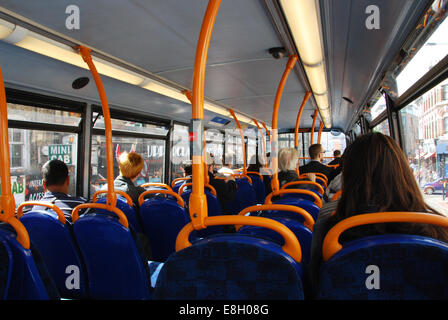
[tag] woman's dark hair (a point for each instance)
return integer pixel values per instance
(376, 177)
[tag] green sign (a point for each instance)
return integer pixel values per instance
(61, 152)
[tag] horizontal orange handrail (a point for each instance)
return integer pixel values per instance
(291, 246)
(180, 201)
(255, 173)
(337, 195)
(318, 175)
(50, 205)
(334, 166)
(317, 200)
(181, 189)
(242, 175)
(121, 216)
(311, 183)
(309, 221)
(175, 181)
(331, 243)
(156, 184)
(121, 193)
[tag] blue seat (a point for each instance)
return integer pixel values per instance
(307, 205)
(5, 269)
(28, 277)
(162, 219)
(58, 248)
(410, 267)
(258, 185)
(226, 267)
(116, 264)
(130, 212)
(245, 197)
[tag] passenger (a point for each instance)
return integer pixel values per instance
(226, 169)
(337, 158)
(130, 164)
(316, 153)
(287, 164)
(188, 169)
(56, 182)
(376, 177)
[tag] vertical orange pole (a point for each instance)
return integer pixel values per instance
(111, 196)
(198, 200)
(296, 131)
(7, 202)
(242, 140)
(263, 143)
(274, 146)
(267, 131)
(312, 128)
(321, 127)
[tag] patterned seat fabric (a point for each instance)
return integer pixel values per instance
(230, 267)
(404, 267)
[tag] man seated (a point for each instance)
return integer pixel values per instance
(56, 182)
(316, 153)
(337, 158)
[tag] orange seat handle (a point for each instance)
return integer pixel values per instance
(311, 183)
(121, 193)
(180, 201)
(317, 200)
(156, 184)
(255, 173)
(242, 175)
(175, 181)
(50, 205)
(121, 216)
(291, 246)
(182, 188)
(337, 195)
(331, 243)
(309, 221)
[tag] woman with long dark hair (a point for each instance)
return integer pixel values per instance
(376, 177)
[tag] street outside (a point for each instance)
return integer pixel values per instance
(436, 201)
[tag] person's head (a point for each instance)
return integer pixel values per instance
(316, 152)
(130, 164)
(337, 153)
(55, 177)
(287, 159)
(377, 175)
(210, 162)
(188, 168)
(254, 165)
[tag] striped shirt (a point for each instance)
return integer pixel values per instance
(63, 201)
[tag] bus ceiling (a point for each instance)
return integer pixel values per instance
(152, 45)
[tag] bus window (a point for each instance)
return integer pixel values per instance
(180, 150)
(424, 124)
(383, 128)
(215, 145)
(30, 149)
(378, 108)
(329, 141)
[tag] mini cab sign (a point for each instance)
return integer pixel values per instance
(61, 152)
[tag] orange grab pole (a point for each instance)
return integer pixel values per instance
(111, 196)
(274, 154)
(121, 193)
(7, 202)
(321, 127)
(312, 128)
(198, 200)
(50, 205)
(121, 216)
(296, 130)
(295, 183)
(331, 243)
(242, 140)
(291, 246)
(267, 131)
(156, 184)
(180, 201)
(317, 200)
(206, 185)
(309, 220)
(263, 143)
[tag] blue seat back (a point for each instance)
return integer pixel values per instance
(303, 234)
(302, 196)
(162, 220)
(130, 212)
(409, 267)
(5, 269)
(116, 266)
(227, 267)
(307, 205)
(245, 197)
(29, 278)
(58, 249)
(258, 185)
